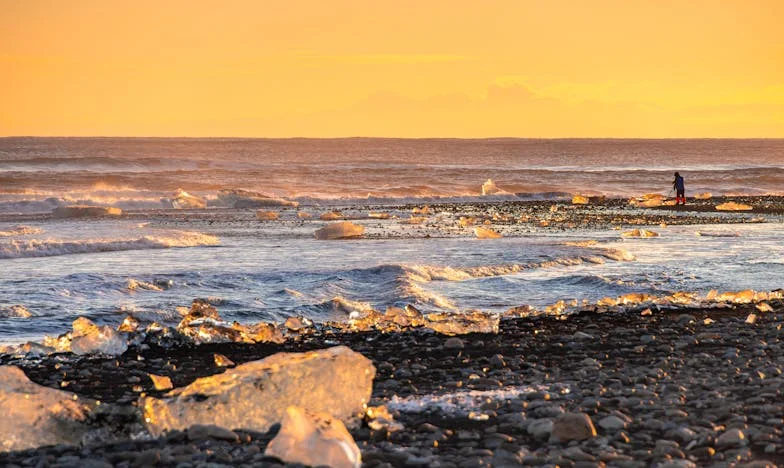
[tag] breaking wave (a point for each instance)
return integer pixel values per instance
(397, 284)
(52, 247)
(426, 273)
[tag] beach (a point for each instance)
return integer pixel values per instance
(667, 379)
(573, 324)
(662, 388)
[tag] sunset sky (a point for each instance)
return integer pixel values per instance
(461, 68)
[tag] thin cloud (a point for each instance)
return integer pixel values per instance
(385, 59)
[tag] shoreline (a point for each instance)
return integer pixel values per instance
(761, 204)
(676, 382)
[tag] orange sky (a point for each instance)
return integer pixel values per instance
(460, 68)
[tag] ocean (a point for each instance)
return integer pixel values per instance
(157, 257)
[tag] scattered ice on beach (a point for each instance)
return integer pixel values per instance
(473, 321)
(344, 230)
(89, 338)
(202, 324)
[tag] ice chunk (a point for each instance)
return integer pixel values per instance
(489, 188)
(732, 206)
(640, 233)
(485, 233)
(741, 297)
(134, 285)
(463, 323)
(185, 201)
(33, 415)
(161, 382)
(344, 230)
(85, 211)
(262, 215)
(202, 324)
(255, 395)
(89, 338)
(331, 216)
(237, 198)
(579, 200)
(16, 310)
(128, 325)
(314, 439)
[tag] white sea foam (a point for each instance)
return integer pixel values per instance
(51, 247)
(349, 306)
(21, 231)
(427, 273)
(424, 296)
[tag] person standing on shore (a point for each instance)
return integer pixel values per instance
(680, 189)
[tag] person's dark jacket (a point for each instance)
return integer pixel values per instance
(678, 184)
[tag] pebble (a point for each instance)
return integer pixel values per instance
(679, 401)
(454, 343)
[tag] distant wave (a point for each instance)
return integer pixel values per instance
(50, 247)
(21, 231)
